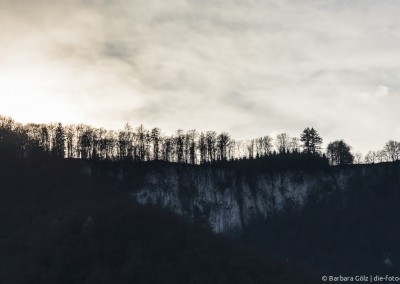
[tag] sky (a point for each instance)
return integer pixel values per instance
(248, 67)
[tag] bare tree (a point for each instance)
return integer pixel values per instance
(382, 156)
(125, 143)
(282, 142)
(211, 141)
(167, 151)
(358, 158)
(251, 147)
(33, 132)
(294, 145)
(371, 157)
(179, 140)
(202, 146)
(231, 153)
(186, 147)
(192, 135)
(86, 141)
(111, 143)
(45, 141)
(143, 139)
(392, 150)
(223, 141)
(263, 146)
(70, 131)
(58, 148)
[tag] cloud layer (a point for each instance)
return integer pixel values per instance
(247, 67)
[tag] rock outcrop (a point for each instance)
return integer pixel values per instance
(228, 200)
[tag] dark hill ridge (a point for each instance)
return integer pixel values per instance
(68, 221)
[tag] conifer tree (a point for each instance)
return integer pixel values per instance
(311, 141)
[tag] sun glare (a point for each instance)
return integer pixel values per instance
(32, 94)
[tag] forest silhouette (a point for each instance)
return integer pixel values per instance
(187, 147)
(141, 145)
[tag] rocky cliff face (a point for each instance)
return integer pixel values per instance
(227, 200)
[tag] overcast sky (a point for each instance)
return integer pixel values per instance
(249, 67)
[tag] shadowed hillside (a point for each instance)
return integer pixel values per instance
(353, 231)
(61, 225)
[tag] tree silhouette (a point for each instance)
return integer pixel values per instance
(86, 141)
(143, 139)
(294, 145)
(392, 150)
(179, 145)
(371, 157)
(69, 137)
(45, 138)
(192, 136)
(223, 141)
(338, 153)
(59, 141)
(311, 141)
(167, 149)
(282, 142)
(264, 145)
(382, 156)
(155, 137)
(202, 146)
(358, 158)
(211, 141)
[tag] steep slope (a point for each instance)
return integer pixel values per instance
(229, 200)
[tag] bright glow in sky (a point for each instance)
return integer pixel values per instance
(248, 67)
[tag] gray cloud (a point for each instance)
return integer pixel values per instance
(248, 67)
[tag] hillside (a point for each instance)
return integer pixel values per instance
(62, 224)
(88, 220)
(338, 220)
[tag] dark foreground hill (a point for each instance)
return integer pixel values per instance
(59, 225)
